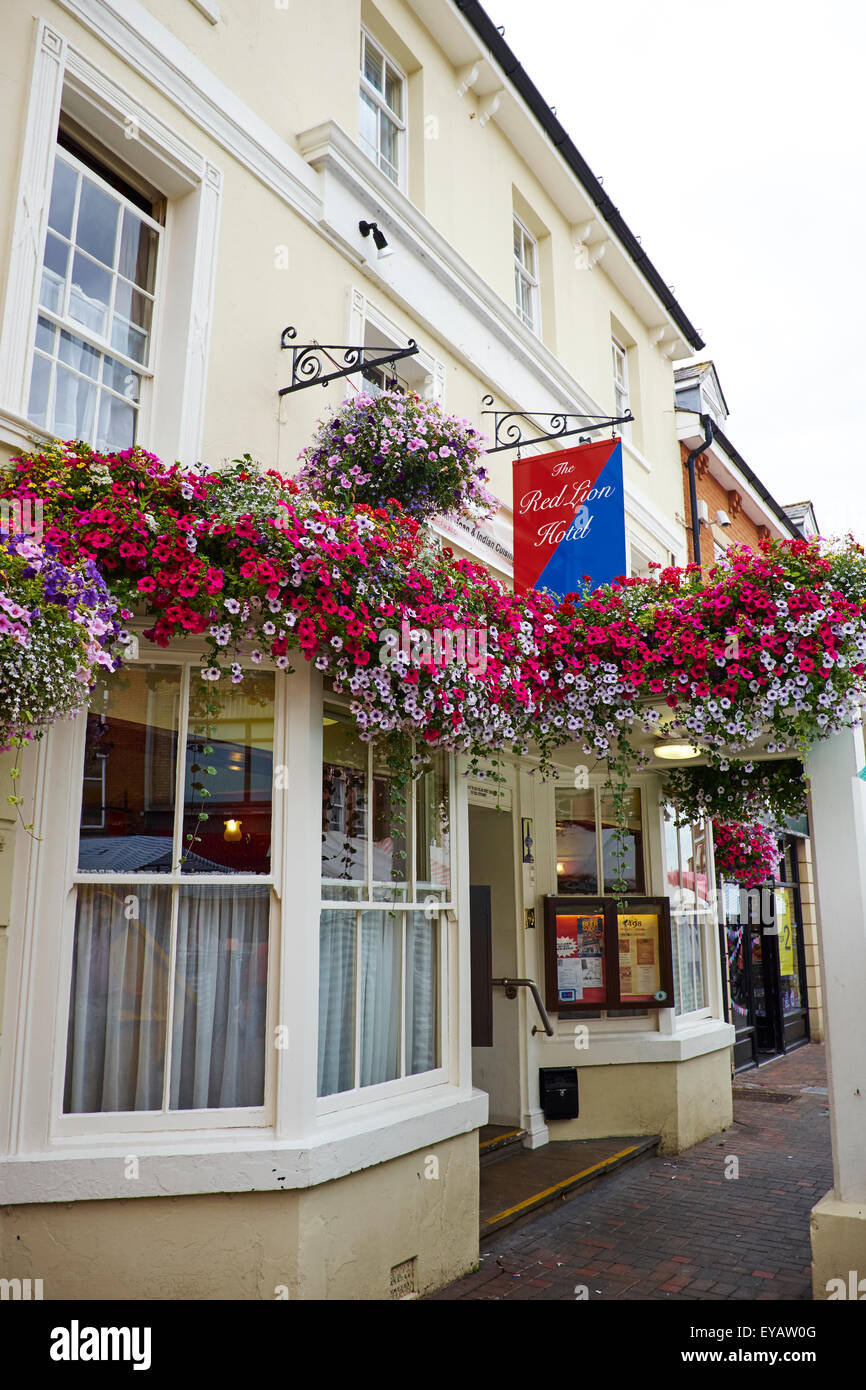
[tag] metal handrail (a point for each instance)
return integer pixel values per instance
(511, 984)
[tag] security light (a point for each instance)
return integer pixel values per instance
(379, 238)
(722, 518)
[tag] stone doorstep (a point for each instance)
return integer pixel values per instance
(528, 1182)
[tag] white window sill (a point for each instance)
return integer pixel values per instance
(626, 1049)
(633, 453)
(171, 1166)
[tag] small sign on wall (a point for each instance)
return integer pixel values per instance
(489, 794)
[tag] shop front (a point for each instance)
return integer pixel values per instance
(766, 962)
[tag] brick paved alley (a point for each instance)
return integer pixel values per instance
(673, 1227)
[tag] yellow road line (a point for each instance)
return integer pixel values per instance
(497, 1138)
(548, 1191)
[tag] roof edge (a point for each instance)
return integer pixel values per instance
(487, 31)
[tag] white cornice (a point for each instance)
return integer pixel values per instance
(131, 31)
(332, 152)
(462, 46)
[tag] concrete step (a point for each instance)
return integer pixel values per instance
(529, 1181)
(496, 1141)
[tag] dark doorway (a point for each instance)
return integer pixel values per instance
(481, 961)
(766, 966)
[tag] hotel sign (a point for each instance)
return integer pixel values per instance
(569, 518)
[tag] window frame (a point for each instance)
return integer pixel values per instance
(63, 82)
(704, 921)
(597, 789)
(405, 1083)
(68, 1125)
(523, 273)
(63, 323)
(378, 98)
(621, 384)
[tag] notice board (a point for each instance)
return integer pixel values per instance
(603, 955)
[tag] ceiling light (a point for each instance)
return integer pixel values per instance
(379, 238)
(676, 749)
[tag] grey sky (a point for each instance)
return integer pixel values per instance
(731, 136)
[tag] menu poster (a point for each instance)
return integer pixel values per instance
(580, 958)
(639, 958)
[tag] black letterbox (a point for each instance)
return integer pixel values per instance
(558, 1087)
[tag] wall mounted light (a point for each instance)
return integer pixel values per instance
(677, 750)
(232, 831)
(722, 518)
(379, 238)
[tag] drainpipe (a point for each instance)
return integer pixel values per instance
(707, 424)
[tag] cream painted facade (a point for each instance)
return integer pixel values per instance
(248, 125)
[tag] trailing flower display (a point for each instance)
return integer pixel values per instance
(392, 447)
(59, 629)
(767, 650)
(748, 854)
(741, 792)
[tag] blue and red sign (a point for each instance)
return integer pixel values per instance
(569, 519)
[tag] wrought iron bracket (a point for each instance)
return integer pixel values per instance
(508, 429)
(310, 360)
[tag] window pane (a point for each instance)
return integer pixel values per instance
(394, 91)
(54, 266)
(389, 144)
(433, 827)
(390, 825)
(381, 968)
(132, 732)
(369, 126)
(45, 335)
(117, 422)
(115, 1057)
(344, 800)
(372, 66)
(120, 378)
(422, 995)
(229, 776)
(631, 865)
(79, 355)
(40, 384)
(138, 245)
(518, 241)
(96, 230)
(576, 864)
(90, 294)
(74, 406)
(130, 327)
(62, 206)
(689, 964)
(220, 998)
(336, 1002)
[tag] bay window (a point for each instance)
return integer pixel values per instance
(691, 910)
(93, 351)
(168, 999)
(386, 886)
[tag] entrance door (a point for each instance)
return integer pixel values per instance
(766, 972)
(493, 924)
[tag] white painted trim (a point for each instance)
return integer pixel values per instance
(628, 1049)
(172, 412)
(34, 183)
(131, 31)
(209, 9)
(353, 188)
(241, 1161)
